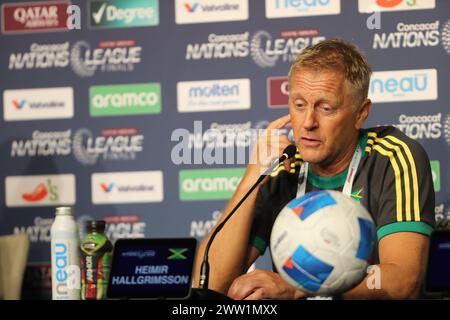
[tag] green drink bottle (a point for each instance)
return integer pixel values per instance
(96, 253)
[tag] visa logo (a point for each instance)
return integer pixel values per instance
(404, 85)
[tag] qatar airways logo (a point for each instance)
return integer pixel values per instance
(36, 16)
(41, 190)
(278, 92)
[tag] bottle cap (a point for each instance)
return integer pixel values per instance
(64, 211)
(96, 225)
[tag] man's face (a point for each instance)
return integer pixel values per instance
(322, 115)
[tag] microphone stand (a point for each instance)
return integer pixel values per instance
(204, 269)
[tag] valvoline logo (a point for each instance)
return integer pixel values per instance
(18, 104)
(191, 7)
(41, 191)
(107, 187)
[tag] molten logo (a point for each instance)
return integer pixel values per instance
(107, 188)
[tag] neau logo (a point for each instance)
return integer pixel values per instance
(405, 85)
(296, 8)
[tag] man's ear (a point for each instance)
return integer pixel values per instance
(363, 113)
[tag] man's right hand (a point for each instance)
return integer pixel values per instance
(270, 144)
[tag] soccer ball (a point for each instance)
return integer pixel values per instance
(321, 242)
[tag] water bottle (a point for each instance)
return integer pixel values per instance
(96, 254)
(65, 256)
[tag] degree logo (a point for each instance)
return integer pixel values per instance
(18, 104)
(107, 188)
(191, 8)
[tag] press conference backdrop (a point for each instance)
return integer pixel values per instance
(107, 103)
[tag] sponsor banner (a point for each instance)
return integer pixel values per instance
(123, 226)
(295, 8)
(41, 190)
(200, 228)
(108, 56)
(278, 92)
(116, 144)
(265, 49)
(123, 13)
(127, 187)
(209, 184)
(425, 126)
(403, 85)
(126, 99)
(38, 104)
(367, 6)
(38, 232)
(213, 95)
(41, 56)
(38, 16)
(436, 174)
(203, 11)
(413, 35)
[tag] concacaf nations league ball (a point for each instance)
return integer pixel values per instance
(321, 242)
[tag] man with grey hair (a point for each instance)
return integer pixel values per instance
(383, 169)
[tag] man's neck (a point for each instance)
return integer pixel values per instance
(330, 170)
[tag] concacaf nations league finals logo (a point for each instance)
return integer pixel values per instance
(445, 36)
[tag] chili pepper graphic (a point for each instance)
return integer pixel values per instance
(39, 193)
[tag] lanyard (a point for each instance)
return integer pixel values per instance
(303, 174)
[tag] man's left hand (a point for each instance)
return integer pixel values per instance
(263, 284)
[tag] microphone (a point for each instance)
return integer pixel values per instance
(288, 152)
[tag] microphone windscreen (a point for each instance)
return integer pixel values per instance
(290, 150)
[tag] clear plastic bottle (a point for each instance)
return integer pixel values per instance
(65, 255)
(96, 254)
